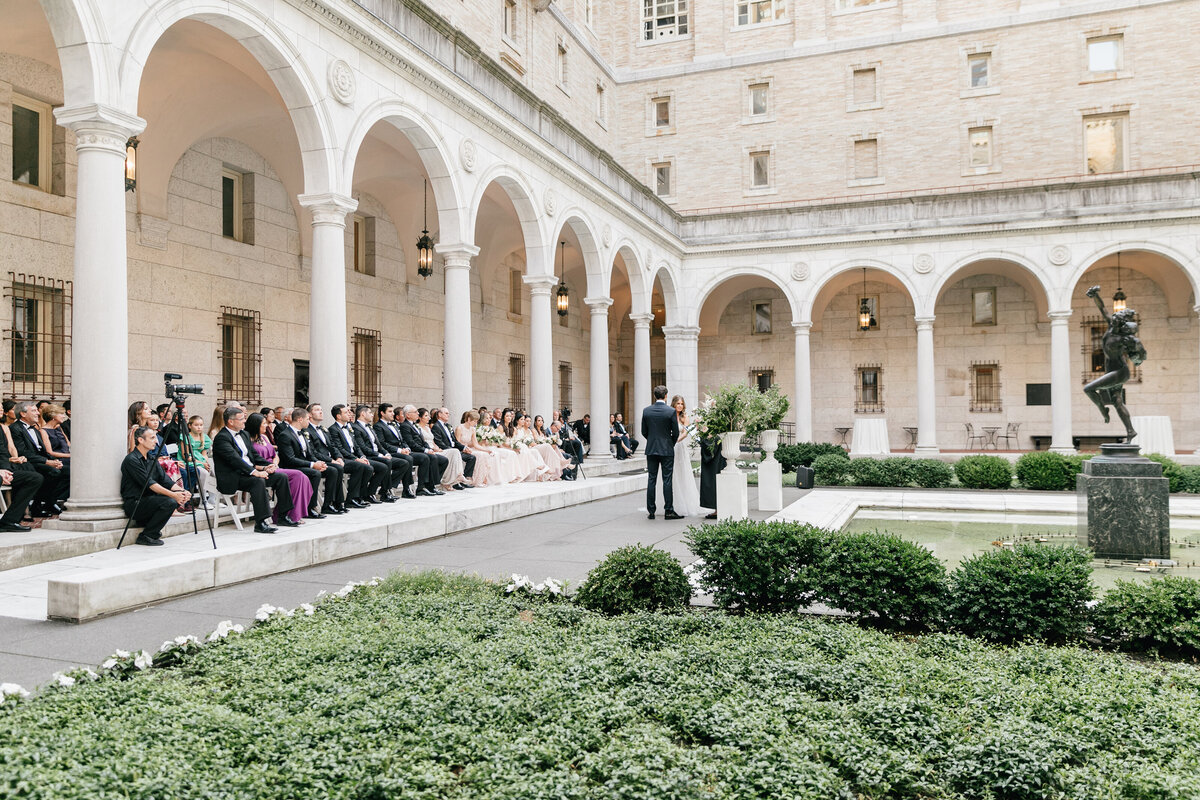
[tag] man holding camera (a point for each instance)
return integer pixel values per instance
(147, 493)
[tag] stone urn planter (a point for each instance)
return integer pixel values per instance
(769, 441)
(731, 449)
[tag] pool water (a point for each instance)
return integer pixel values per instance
(951, 541)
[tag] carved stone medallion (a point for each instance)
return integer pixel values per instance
(923, 263)
(800, 271)
(467, 154)
(551, 202)
(341, 82)
(1060, 254)
(607, 235)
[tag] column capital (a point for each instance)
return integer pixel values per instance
(681, 333)
(98, 126)
(924, 323)
(328, 208)
(802, 328)
(598, 305)
(1060, 317)
(456, 255)
(643, 320)
(539, 284)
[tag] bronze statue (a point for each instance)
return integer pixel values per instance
(1120, 340)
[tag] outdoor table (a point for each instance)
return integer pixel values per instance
(870, 437)
(841, 432)
(990, 432)
(912, 437)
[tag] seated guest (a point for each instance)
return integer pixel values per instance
(626, 437)
(10, 416)
(165, 459)
(240, 468)
(398, 468)
(482, 414)
(295, 454)
(568, 440)
(413, 440)
(617, 440)
(547, 445)
(443, 437)
(298, 483)
(56, 486)
(387, 433)
(139, 416)
(319, 444)
(194, 453)
(53, 439)
(218, 420)
(149, 503)
(341, 438)
(66, 426)
(269, 429)
(497, 420)
(485, 472)
(583, 429)
(25, 481)
(452, 476)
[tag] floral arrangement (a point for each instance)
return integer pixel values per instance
(740, 407)
(517, 443)
(774, 406)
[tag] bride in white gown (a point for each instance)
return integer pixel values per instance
(685, 489)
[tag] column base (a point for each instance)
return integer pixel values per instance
(926, 450)
(90, 515)
(1066, 451)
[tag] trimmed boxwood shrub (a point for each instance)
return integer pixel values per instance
(1044, 469)
(1162, 614)
(791, 456)
(635, 578)
(984, 472)
(871, 472)
(1171, 471)
(758, 566)
(1026, 592)
(1190, 479)
(882, 579)
(929, 473)
(831, 470)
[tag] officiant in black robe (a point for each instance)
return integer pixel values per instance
(711, 462)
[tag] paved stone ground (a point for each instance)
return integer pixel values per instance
(564, 544)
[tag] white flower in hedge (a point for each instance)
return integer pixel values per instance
(12, 690)
(89, 674)
(143, 660)
(555, 587)
(321, 594)
(264, 612)
(307, 608)
(224, 629)
(63, 680)
(109, 663)
(375, 581)
(347, 589)
(518, 582)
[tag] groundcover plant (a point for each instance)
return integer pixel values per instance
(435, 687)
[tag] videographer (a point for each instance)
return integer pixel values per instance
(148, 503)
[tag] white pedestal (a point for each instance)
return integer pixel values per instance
(732, 496)
(770, 485)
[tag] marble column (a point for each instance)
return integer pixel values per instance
(100, 315)
(457, 391)
(1061, 440)
(683, 362)
(598, 371)
(328, 348)
(641, 370)
(926, 390)
(802, 400)
(541, 351)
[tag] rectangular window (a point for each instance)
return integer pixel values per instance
(32, 131)
(358, 231)
(516, 288)
(983, 306)
(866, 87)
(367, 366)
(979, 70)
(588, 10)
(1104, 142)
(516, 381)
(868, 382)
(866, 159)
(240, 355)
(762, 378)
(760, 170)
(509, 20)
(662, 179)
(1105, 53)
(756, 12)
(985, 388)
(231, 204)
(662, 112)
(762, 318)
(40, 337)
(979, 142)
(664, 19)
(562, 65)
(564, 385)
(852, 5)
(601, 105)
(758, 99)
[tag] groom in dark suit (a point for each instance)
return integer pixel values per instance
(660, 429)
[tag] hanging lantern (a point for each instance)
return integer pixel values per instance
(131, 147)
(1119, 297)
(425, 243)
(864, 308)
(564, 294)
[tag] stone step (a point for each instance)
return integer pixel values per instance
(101, 583)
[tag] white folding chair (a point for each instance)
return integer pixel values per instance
(237, 503)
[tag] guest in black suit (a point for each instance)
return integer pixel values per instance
(568, 440)
(148, 503)
(373, 449)
(619, 427)
(583, 429)
(660, 429)
(387, 432)
(443, 437)
(241, 469)
(56, 480)
(319, 445)
(341, 437)
(24, 480)
(66, 426)
(416, 443)
(294, 453)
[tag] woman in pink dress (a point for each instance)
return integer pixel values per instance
(298, 482)
(532, 462)
(485, 466)
(550, 454)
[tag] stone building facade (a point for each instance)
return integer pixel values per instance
(718, 194)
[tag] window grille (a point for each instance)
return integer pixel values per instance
(240, 355)
(985, 387)
(40, 337)
(868, 387)
(1094, 328)
(664, 19)
(564, 384)
(516, 381)
(368, 355)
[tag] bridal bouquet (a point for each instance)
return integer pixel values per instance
(517, 444)
(487, 435)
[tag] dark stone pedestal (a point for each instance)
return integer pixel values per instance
(1123, 510)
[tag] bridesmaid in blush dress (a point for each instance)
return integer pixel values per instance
(297, 481)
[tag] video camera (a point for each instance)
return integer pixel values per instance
(175, 390)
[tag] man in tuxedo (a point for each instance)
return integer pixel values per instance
(149, 503)
(294, 453)
(25, 481)
(660, 429)
(387, 430)
(321, 448)
(241, 469)
(443, 437)
(619, 426)
(497, 420)
(56, 477)
(373, 449)
(568, 440)
(416, 443)
(583, 429)
(341, 438)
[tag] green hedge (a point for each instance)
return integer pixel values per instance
(1035, 592)
(449, 691)
(758, 566)
(882, 579)
(832, 470)
(984, 472)
(929, 473)
(635, 578)
(1043, 469)
(1163, 614)
(791, 456)
(1176, 478)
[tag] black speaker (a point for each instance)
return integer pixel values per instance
(804, 477)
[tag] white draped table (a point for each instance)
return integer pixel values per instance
(870, 437)
(1154, 435)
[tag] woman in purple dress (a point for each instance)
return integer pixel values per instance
(297, 481)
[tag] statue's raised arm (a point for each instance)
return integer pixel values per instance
(1094, 293)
